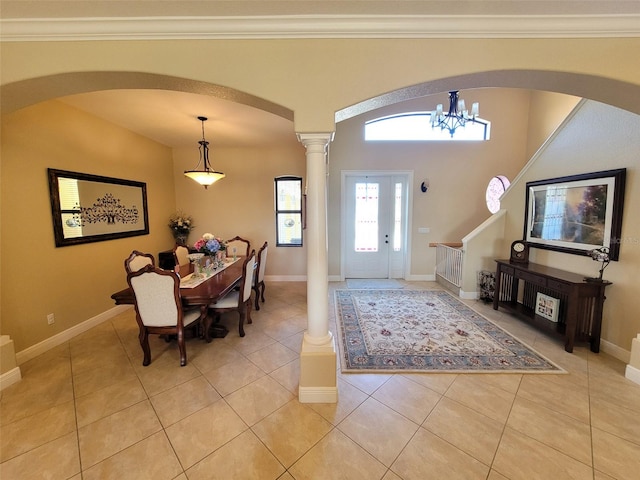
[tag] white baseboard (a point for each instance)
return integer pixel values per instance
(421, 278)
(318, 394)
(469, 295)
(58, 339)
(633, 374)
(615, 351)
(9, 378)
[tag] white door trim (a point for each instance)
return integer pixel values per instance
(408, 174)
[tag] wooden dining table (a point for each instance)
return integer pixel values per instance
(202, 295)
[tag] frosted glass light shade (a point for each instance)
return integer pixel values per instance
(203, 177)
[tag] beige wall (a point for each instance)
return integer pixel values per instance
(314, 79)
(457, 172)
(597, 137)
(317, 77)
(547, 110)
(242, 203)
(546, 113)
(74, 283)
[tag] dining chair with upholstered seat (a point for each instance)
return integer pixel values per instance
(137, 260)
(159, 308)
(258, 279)
(181, 255)
(239, 300)
(239, 244)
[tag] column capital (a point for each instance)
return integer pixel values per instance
(310, 139)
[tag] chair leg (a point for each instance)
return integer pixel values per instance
(181, 347)
(242, 312)
(262, 294)
(144, 343)
(256, 288)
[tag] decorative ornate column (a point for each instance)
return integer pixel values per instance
(318, 355)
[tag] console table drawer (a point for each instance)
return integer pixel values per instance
(531, 278)
(558, 286)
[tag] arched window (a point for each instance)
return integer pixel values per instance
(416, 126)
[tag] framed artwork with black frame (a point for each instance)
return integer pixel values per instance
(576, 213)
(90, 208)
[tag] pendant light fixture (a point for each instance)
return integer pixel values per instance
(206, 176)
(457, 116)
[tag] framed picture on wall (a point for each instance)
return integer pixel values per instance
(577, 213)
(91, 208)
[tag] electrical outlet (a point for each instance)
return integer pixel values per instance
(51, 319)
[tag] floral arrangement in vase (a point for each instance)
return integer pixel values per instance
(209, 244)
(181, 225)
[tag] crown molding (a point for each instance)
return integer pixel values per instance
(319, 26)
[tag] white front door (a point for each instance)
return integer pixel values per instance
(374, 224)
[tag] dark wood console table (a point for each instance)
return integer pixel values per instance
(581, 301)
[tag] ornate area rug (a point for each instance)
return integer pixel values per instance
(426, 331)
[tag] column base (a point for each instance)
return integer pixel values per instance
(633, 369)
(318, 383)
(633, 374)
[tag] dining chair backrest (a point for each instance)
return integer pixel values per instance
(136, 260)
(262, 262)
(258, 279)
(181, 255)
(239, 300)
(157, 296)
(239, 244)
(247, 277)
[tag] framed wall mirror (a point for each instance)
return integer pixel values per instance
(90, 208)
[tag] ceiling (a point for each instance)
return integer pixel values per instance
(170, 117)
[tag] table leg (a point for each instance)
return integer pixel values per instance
(597, 321)
(571, 321)
(206, 322)
(496, 290)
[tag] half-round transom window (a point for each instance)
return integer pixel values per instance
(416, 126)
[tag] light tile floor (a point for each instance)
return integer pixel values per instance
(88, 409)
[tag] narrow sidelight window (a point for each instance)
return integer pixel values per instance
(288, 203)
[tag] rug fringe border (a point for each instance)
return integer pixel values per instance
(456, 372)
